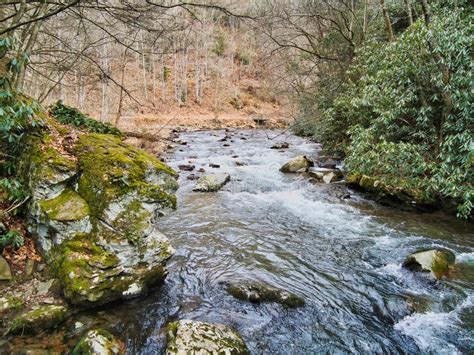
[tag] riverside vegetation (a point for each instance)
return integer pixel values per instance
(403, 113)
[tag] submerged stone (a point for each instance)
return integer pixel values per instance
(99, 342)
(211, 182)
(257, 292)
(298, 164)
(433, 260)
(194, 337)
(39, 319)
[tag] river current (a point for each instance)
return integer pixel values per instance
(343, 256)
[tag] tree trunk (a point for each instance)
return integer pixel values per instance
(388, 23)
(409, 11)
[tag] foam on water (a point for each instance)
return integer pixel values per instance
(437, 332)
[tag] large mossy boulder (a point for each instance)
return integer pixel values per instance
(193, 337)
(39, 319)
(98, 342)
(434, 260)
(96, 223)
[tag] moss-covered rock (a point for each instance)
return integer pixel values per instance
(99, 342)
(39, 319)
(193, 337)
(111, 171)
(434, 260)
(58, 219)
(393, 192)
(69, 206)
(49, 171)
(94, 215)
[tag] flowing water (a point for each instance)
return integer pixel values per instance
(342, 256)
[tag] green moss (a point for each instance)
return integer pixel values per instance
(39, 319)
(69, 206)
(111, 169)
(84, 269)
(41, 162)
(353, 179)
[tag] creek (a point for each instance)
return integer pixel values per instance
(342, 256)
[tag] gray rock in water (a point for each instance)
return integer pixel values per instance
(5, 272)
(432, 260)
(211, 182)
(260, 292)
(283, 145)
(194, 337)
(99, 342)
(300, 164)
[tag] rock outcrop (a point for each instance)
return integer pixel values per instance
(434, 260)
(298, 164)
(211, 182)
(99, 342)
(193, 337)
(93, 213)
(260, 292)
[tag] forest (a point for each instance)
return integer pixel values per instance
(315, 130)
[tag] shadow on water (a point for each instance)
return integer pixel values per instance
(342, 256)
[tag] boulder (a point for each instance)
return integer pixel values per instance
(260, 292)
(211, 182)
(298, 164)
(432, 260)
(283, 145)
(99, 342)
(194, 337)
(330, 177)
(39, 319)
(98, 227)
(5, 272)
(186, 167)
